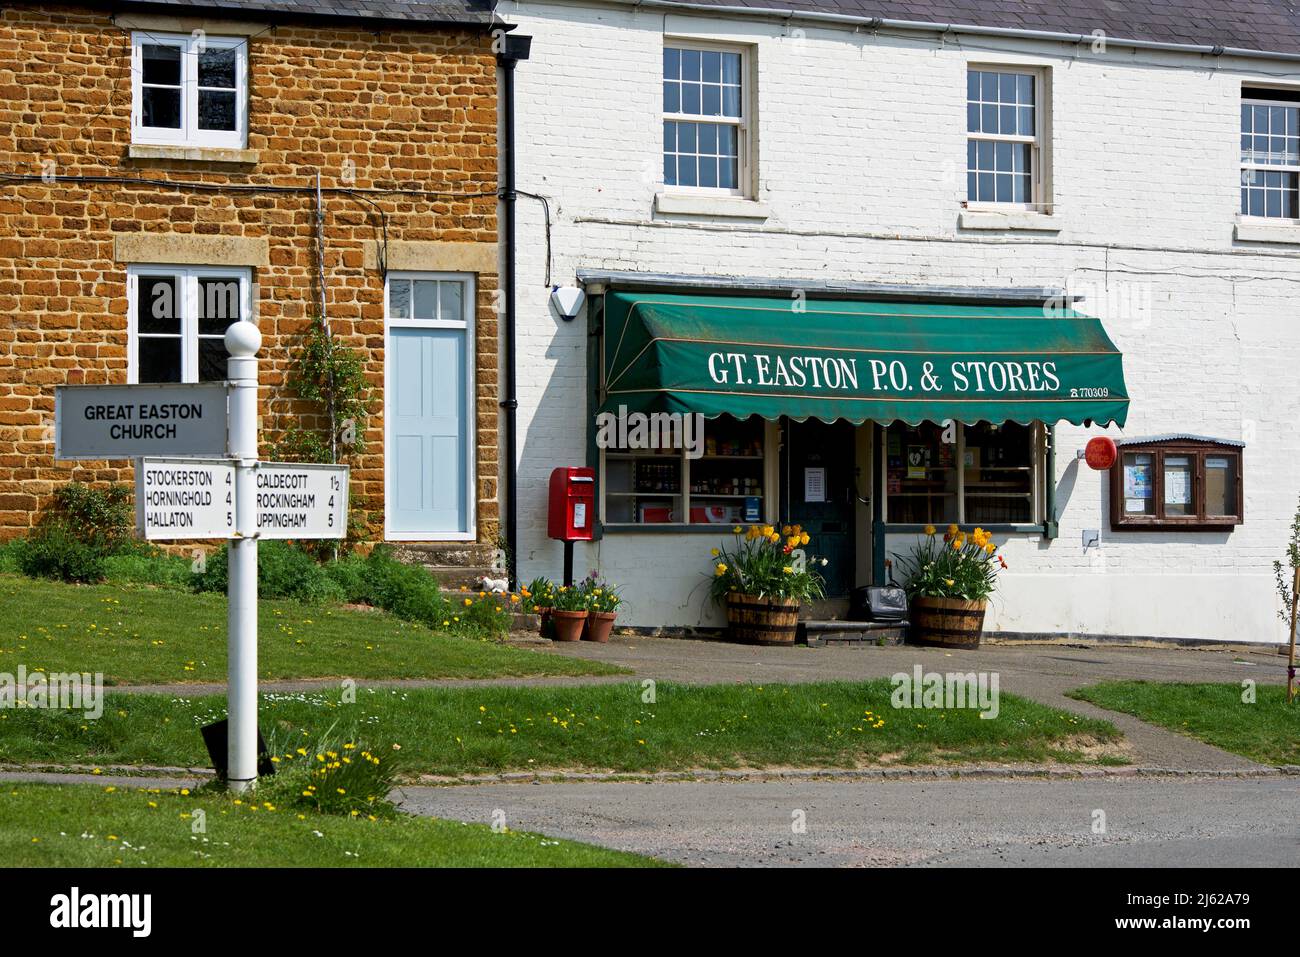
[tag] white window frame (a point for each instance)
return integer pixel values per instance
(1265, 168)
(467, 323)
(189, 277)
(744, 124)
(1039, 154)
(189, 134)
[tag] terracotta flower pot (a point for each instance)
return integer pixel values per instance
(946, 622)
(568, 625)
(599, 625)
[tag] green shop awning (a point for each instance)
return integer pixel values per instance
(880, 361)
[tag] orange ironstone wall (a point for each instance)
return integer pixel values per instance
(367, 109)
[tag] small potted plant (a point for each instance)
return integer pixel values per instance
(602, 609)
(569, 613)
(948, 582)
(539, 595)
(764, 579)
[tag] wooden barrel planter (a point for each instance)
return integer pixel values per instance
(762, 621)
(946, 622)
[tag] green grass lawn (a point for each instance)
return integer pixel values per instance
(143, 635)
(470, 730)
(44, 825)
(1267, 731)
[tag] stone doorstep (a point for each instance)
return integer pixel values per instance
(451, 577)
(449, 554)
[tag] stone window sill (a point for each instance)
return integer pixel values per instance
(730, 206)
(1267, 231)
(1020, 220)
(200, 154)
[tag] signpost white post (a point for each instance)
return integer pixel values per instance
(207, 496)
(242, 342)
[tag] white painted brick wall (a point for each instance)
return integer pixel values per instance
(861, 151)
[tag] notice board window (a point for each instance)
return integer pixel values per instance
(1186, 482)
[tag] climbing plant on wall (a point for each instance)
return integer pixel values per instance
(332, 404)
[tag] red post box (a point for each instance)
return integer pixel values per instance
(572, 510)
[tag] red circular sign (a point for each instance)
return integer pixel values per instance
(1100, 453)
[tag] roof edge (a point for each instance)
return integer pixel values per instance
(486, 22)
(921, 26)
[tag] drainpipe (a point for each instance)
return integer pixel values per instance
(1050, 527)
(514, 48)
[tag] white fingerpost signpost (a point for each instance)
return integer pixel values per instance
(198, 477)
(242, 342)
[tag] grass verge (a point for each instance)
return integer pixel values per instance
(142, 635)
(45, 825)
(1267, 730)
(608, 727)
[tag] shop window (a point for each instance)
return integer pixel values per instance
(663, 485)
(178, 318)
(980, 474)
(1189, 483)
(189, 90)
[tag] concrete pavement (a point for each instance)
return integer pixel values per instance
(1170, 822)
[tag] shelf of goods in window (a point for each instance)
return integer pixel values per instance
(658, 477)
(732, 448)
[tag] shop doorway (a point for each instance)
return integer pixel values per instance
(819, 468)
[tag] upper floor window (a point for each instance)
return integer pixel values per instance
(1003, 137)
(706, 121)
(1270, 153)
(189, 90)
(177, 320)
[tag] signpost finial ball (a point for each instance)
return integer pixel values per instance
(243, 339)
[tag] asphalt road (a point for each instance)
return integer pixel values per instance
(1152, 822)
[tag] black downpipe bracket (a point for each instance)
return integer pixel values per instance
(514, 48)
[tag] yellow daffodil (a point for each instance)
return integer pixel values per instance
(929, 530)
(990, 548)
(714, 552)
(804, 539)
(787, 570)
(721, 568)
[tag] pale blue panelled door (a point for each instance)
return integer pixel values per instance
(428, 459)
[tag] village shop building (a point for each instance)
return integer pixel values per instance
(172, 167)
(906, 272)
